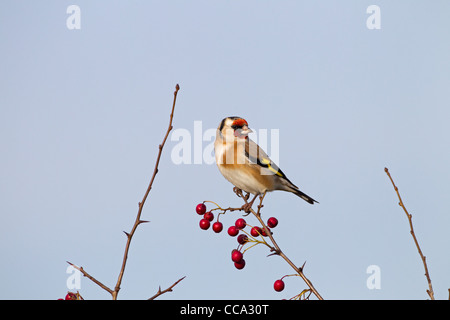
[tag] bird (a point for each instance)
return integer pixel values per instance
(246, 165)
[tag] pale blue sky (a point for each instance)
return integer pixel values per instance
(83, 112)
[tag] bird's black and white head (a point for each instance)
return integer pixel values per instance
(232, 128)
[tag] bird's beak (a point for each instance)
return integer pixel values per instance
(242, 132)
(246, 130)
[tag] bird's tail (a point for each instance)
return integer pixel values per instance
(304, 196)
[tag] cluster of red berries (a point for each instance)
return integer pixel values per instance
(236, 255)
(207, 218)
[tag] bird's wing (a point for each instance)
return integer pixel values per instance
(257, 155)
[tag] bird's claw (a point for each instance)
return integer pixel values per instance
(238, 192)
(247, 207)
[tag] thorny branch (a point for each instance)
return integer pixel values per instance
(137, 222)
(141, 204)
(276, 249)
(169, 289)
(87, 275)
(409, 216)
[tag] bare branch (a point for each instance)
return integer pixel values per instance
(138, 220)
(87, 275)
(169, 289)
(409, 216)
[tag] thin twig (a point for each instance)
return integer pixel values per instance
(138, 220)
(276, 249)
(409, 216)
(281, 254)
(87, 275)
(169, 289)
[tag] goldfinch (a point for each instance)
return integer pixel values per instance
(242, 162)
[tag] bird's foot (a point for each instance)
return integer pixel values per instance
(238, 192)
(248, 205)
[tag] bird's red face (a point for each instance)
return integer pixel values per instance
(241, 129)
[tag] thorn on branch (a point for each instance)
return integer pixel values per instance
(167, 290)
(303, 266)
(273, 254)
(274, 251)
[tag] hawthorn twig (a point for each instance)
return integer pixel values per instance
(281, 254)
(138, 220)
(169, 289)
(87, 275)
(276, 248)
(409, 216)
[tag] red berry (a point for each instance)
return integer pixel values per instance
(71, 296)
(201, 208)
(272, 222)
(236, 255)
(240, 265)
(263, 232)
(278, 285)
(255, 231)
(204, 224)
(242, 238)
(217, 227)
(233, 231)
(240, 223)
(209, 216)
